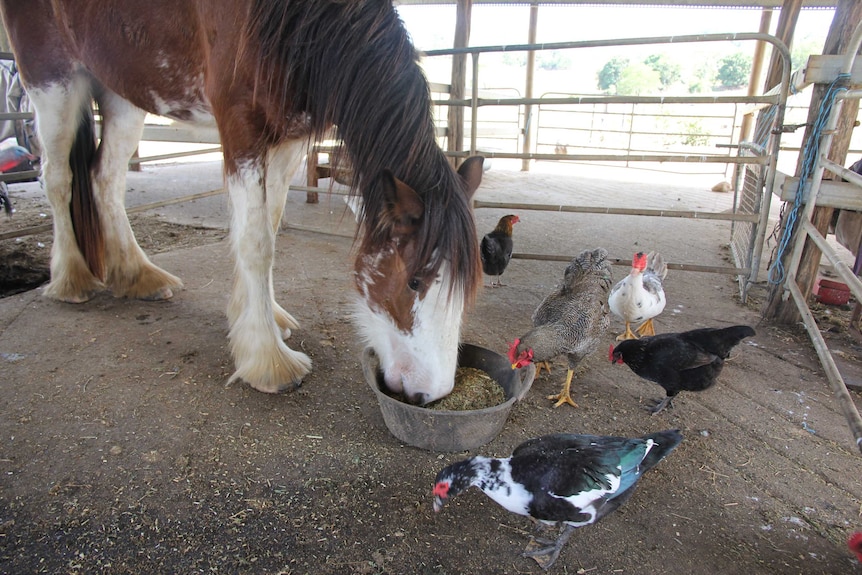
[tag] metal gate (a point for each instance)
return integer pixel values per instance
(757, 166)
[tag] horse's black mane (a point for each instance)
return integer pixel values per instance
(351, 63)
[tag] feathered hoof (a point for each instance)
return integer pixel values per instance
(267, 386)
(150, 283)
(73, 292)
(286, 322)
(160, 294)
(280, 371)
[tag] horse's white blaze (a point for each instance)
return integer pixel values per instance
(420, 361)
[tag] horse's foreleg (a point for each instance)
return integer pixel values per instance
(261, 357)
(58, 108)
(282, 163)
(129, 272)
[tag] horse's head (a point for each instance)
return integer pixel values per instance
(411, 298)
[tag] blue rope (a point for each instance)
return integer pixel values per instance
(811, 153)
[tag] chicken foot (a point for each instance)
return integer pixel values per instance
(646, 328)
(564, 395)
(629, 334)
(546, 551)
(667, 402)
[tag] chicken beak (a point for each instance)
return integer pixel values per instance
(438, 503)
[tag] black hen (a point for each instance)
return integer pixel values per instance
(496, 248)
(688, 361)
(563, 479)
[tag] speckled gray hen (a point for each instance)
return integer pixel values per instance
(571, 320)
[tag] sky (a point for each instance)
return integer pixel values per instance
(432, 26)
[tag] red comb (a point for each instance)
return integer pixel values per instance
(611, 353)
(441, 489)
(512, 349)
(855, 544)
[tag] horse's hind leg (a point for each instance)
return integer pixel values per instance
(262, 359)
(129, 273)
(58, 107)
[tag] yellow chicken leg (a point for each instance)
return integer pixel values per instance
(629, 334)
(646, 328)
(563, 396)
(542, 364)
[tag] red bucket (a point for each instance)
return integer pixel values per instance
(833, 293)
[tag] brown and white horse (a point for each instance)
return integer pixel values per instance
(270, 74)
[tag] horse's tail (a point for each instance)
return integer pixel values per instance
(85, 216)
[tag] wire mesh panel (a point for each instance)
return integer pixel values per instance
(743, 235)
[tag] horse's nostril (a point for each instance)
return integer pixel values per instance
(419, 398)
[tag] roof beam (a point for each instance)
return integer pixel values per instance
(656, 3)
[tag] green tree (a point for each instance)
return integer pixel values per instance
(800, 52)
(638, 79)
(734, 70)
(553, 60)
(704, 77)
(669, 71)
(609, 75)
(517, 59)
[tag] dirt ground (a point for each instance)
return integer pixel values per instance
(122, 451)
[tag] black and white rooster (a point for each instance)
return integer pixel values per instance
(562, 479)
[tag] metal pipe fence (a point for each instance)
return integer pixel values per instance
(648, 129)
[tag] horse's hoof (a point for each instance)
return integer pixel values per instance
(276, 389)
(72, 291)
(292, 386)
(77, 297)
(159, 295)
(83, 298)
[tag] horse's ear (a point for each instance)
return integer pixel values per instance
(404, 209)
(471, 172)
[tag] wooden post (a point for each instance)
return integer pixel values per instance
(457, 89)
(528, 91)
(756, 71)
(848, 14)
(784, 32)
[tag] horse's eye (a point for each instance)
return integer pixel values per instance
(414, 284)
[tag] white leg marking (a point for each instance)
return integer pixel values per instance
(129, 272)
(261, 357)
(282, 163)
(57, 108)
